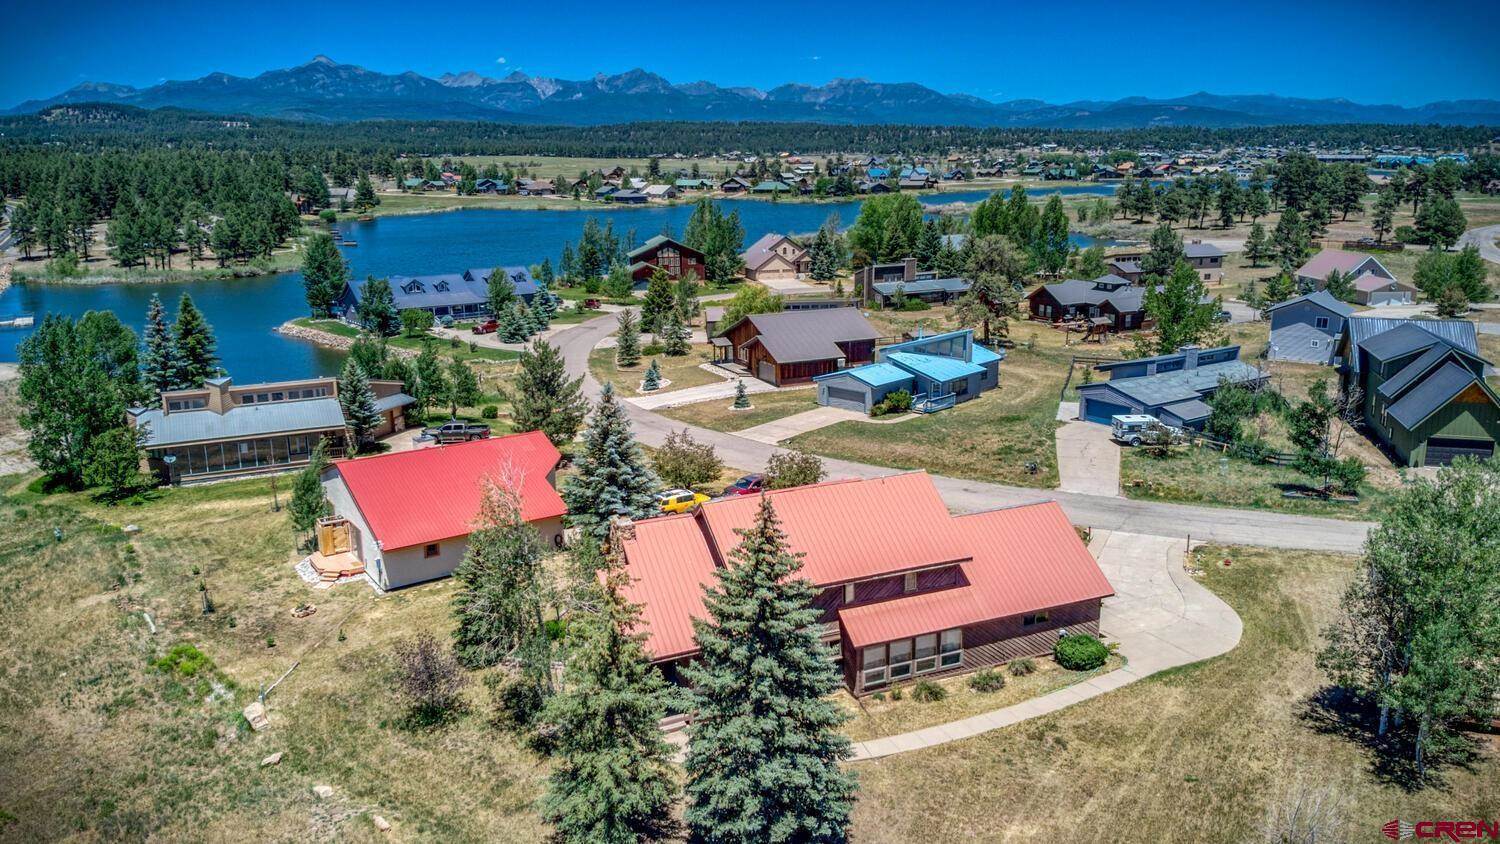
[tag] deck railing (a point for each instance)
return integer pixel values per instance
(923, 403)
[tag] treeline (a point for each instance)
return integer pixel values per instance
(109, 127)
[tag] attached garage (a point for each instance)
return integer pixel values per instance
(1442, 451)
(863, 387)
(849, 399)
(1098, 410)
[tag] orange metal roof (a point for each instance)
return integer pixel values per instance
(670, 566)
(853, 529)
(429, 494)
(1026, 558)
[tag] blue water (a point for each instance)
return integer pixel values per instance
(243, 312)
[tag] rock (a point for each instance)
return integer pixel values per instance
(324, 792)
(273, 759)
(255, 713)
(131, 528)
(380, 823)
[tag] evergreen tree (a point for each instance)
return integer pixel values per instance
(652, 381)
(196, 350)
(543, 398)
(764, 752)
(463, 387)
(159, 364)
(1165, 254)
(659, 301)
(1290, 241)
(376, 309)
(741, 395)
(1440, 223)
(613, 781)
(501, 292)
(308, 502)
(1382, 222)
(432, 380)
(1256, 247)
(323, 275)
(627, 340)
(674, 334)
(501, 588)
(613, 478)
(929, 243)
(365, 197)
(997, 271)
(1050, 247)
(358, 402)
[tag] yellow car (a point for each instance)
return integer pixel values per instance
(679, 500)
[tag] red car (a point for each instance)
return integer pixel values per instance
(487, 327)
(748, 485)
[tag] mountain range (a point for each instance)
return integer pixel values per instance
(325, 90)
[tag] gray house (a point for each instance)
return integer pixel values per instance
(938, 371)
(1307, 329)
(1173, 388)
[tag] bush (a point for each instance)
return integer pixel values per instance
(184, 660)
(515, 703)
(685, 462)
(1080, 652)
(926, 691)
(653, 349)
(328, 215)
(879, 409)
(1407, 234)
(897, 694)
(914, 305)
(64, 265)
(897, 401)
(987, 680)
(793, 468)
(1022, 667)
(428, 679)
(489, 411)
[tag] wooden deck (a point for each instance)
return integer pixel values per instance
(332, 567)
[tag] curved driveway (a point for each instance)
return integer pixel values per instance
(1208, 524)
(1484, 238)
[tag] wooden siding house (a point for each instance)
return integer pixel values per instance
(676, 258)
(792, 347)
(1108, 297)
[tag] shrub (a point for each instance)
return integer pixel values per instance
(685, 462)
(184, 660)
(428, 679)
(328, 215)
(897, 694)
(651, 349)
(1080, 652)
(987, 680)
(926, 691)
(793, 468)
(880, 409)
(914, 305)
(489, 411)
(898, 401)
(1022, 667)
(515, 703)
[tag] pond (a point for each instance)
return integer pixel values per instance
(243, 312)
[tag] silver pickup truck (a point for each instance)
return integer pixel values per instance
(457, 432)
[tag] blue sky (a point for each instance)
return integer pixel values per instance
(1368, 52)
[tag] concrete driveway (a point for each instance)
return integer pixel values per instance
(691, 395)
(1485, 238)
(1088, 461)
(787, 427)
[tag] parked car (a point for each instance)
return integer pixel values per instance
(679, 500)
(1130, 428)
(591, 304)
(457, 432)
(489, 326)
(748, 485)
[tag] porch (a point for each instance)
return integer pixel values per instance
(335, 559)
(927, 403)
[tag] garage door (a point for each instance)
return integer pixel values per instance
(1100, 411)
(766, 371)
(847, 399)
(1441, 451)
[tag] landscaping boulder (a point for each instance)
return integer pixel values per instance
(380, 823)
(273, 759)
(255, 713)
(323, 792)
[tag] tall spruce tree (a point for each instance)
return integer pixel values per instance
(197, 354)
(159, 364)
(627, 340)
(501, 588)
(613, 477)
(764, 753)
(543, 398)
(358, 402)
(613, 781)
(323, 276)
(658, 303)
(674, 334)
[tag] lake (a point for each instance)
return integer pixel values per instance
(243, 312)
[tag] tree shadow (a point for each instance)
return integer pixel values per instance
(1335, 711)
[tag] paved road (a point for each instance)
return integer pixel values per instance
(1160, 616)
(1484, 238)
(1211, 524)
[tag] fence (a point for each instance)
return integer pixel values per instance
(1062, 394)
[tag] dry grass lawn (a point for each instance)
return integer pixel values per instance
(765, 407)
(682, 371)
(1199, 754)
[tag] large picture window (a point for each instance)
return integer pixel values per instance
(903, 658)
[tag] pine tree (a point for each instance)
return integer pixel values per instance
(658, 303)
(675, 334)
(308, 502)
(1290, 241)
(741, 395)
(764, 753)
(323, 276)
(543, 398)
(463, 386)
(1256, 247)
(627, 340)
(613, 478)
(364, 193)
(196, 350)
(613, 781)
(652, 381)
(500, 594)
(358, 401)
(159, 365)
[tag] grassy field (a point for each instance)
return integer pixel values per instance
(1202, 753)
(461, 351)
(767, 407)
(875, 717)
(682, 371)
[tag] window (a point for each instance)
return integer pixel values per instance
(1321, 322)
(909, 582)
(1033, 619)
(874, 666)
(247, 399)
(278, 396)
(951, 650)
(848, 593)
(926, 653)
(900, 659)
(431, 550)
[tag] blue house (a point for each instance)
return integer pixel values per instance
(1307, 329)
(938, 371)
(1174, 388)
(458, 295)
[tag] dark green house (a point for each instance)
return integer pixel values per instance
(1424, 391)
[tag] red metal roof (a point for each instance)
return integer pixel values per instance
(429, 494)
(1026, 558)
(853, 529)
(670, 565)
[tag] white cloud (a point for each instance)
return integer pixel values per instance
(500, 60)
(816, 58)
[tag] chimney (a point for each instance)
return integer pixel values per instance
(909, 269)
(621, 527)
(218, 394)
(1189, 357)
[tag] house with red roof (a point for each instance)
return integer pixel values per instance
(1313, 275)
(906, 589)
(406, 516)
